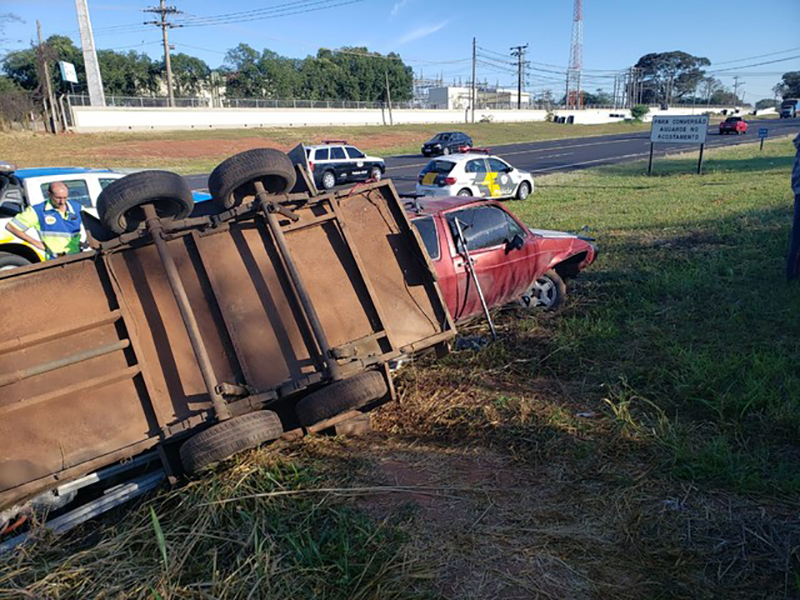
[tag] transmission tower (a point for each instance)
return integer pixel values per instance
(163, 10)
(574, 96)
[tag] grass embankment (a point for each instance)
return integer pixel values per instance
(641, 443)
(200, 151)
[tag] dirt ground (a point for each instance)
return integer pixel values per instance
(491, 525)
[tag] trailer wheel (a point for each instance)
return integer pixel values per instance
(120, 204)
(232, 181)
(341, 396)
(225, 439)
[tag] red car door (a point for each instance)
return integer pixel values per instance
(504, 272)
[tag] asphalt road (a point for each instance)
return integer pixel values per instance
(573, 154)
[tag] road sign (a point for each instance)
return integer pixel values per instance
(68, 72)
(763, 132)
(677, 129)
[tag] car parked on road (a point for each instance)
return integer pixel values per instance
(735, 125)
(335, 161)
(474, 173)
(446, 143)
(513, 262)
(21, 188)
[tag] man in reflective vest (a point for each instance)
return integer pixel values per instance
(57, 221)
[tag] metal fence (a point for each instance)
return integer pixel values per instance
(207, 102)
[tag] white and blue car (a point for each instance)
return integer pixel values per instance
(21, 188)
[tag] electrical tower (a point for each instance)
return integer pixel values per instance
(93, 79)
(519, 53)
(163, 10)
(574, 97)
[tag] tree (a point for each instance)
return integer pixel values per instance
(765, 103)
(669, 76)
(190, 74)
(789, 87)
(127, 74)
(243, 77)
(599, 98)
(724, 96)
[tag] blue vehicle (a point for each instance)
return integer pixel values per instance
(21, 188)
(790, 108)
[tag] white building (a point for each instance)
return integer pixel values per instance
(458, 98)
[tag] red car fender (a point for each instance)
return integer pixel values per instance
(558, 250)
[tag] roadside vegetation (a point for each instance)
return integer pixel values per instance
(640, 443)
(192, 151)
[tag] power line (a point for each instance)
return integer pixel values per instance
(281, 10)
(727, 62)
(768, 62)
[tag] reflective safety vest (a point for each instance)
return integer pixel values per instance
(60, 235)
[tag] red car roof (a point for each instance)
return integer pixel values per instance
(431, 206)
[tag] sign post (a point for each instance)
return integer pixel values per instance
(763, 132)
(676, 129)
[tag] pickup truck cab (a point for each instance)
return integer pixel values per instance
(513, 262)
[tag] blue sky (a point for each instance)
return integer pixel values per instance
(435, 37)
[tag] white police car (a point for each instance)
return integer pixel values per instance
(474, 173)
(335, 161)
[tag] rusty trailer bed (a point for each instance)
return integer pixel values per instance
(96, 363)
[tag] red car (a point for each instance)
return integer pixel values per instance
(735, 125)
(512, 262)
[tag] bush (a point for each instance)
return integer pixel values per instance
(639, 111)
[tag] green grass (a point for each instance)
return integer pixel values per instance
(686, 318)
(203, 540)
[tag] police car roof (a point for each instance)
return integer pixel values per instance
(326, 145)
(50, 171)
(464, 156)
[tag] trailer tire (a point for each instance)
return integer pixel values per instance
(341, 396)
(119, 204)
(225, 439)
(232, 181)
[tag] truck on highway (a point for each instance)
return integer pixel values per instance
(790, 108)
(180, 340)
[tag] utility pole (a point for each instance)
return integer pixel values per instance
(474, 96)
(93, 79)
(52, 111)
(163, 10)
(736, 85)
(519, 52)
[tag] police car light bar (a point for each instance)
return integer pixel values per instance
(335, 141)
(467, 149)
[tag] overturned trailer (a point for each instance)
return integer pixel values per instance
(194, 337)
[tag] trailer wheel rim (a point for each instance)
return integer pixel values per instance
(166, 208)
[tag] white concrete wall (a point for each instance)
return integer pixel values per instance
(88, 119)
